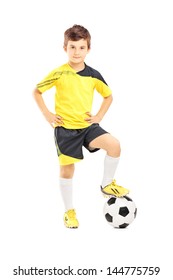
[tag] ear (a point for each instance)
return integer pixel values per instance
(65, 48)
(88, 50)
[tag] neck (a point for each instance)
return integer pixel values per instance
(77, 66)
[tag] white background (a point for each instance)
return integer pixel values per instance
(132, 48)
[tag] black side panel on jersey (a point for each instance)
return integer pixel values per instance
(91, 72)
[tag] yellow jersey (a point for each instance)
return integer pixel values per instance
(74, 93)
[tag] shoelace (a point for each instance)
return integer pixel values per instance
(72, 214)
(115, 187)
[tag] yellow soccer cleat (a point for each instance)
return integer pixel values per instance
(70, 219)
(114, 190)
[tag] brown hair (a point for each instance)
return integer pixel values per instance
(76, 33)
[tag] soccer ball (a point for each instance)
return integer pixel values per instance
(120, 212)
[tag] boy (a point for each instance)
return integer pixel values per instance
(74, 125)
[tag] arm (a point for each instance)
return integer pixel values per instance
(53, 119)
(102, 111)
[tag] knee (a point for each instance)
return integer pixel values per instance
(118, 147)
(67, 171)
(115, 149)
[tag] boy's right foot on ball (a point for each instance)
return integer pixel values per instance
(70, 219)
(114, 190)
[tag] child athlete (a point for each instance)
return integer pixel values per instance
(74, 125)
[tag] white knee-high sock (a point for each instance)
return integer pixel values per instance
(66, 188)
(110, 166)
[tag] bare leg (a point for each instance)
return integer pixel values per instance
(108, 143)
(67, 171)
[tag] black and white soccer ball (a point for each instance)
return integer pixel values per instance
(120, 211)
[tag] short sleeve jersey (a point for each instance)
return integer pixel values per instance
(74, 93)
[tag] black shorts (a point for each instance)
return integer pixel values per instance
(69, 142)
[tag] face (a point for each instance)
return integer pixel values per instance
(77, 51)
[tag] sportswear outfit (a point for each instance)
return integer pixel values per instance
(73, 100)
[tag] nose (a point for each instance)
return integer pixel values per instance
(76, 51)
